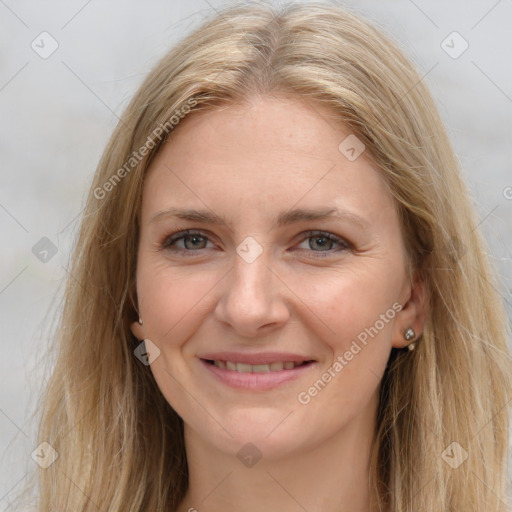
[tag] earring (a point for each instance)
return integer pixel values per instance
(140, 320)
(409, 335)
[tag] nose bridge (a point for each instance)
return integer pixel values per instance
(251, 299)
(251, 277)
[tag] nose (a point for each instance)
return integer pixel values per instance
(254, 298)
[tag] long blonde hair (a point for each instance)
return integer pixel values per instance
(120, 444)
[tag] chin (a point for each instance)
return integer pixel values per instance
(272, 432)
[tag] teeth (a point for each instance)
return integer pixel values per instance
(243, 368)
(260, 368)
(276, 366)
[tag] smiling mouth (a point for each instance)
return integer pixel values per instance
(275, 366)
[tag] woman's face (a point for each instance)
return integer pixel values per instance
(299, 314)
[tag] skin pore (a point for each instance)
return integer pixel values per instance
(304, 294)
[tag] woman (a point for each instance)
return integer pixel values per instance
(280, 297)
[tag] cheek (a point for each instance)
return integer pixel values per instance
(347, 302)
(172, 301)
(336, 305)
(357, 317)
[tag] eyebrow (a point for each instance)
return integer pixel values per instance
(285, 218)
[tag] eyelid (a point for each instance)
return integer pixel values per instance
(165, 243)
(175, 236)
(342, 241)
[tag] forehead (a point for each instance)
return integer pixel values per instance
(273, 153)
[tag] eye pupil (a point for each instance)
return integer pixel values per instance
(322, 244)
(195, 239)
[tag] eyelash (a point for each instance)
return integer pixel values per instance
(167, 240)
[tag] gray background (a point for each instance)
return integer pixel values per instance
(57, 114)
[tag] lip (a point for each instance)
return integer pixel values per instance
(256, 381)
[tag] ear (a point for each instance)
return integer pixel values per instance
(137, 331)
(413, 313)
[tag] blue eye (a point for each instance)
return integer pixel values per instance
(195, 241)
(323, 239)
(192, 240)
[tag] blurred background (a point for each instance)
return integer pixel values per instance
(67, 71)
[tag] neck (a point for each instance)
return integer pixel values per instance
(329, 477)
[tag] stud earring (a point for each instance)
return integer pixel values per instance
(409, 335)
(140, 320)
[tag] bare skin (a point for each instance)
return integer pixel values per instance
(303, 294)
